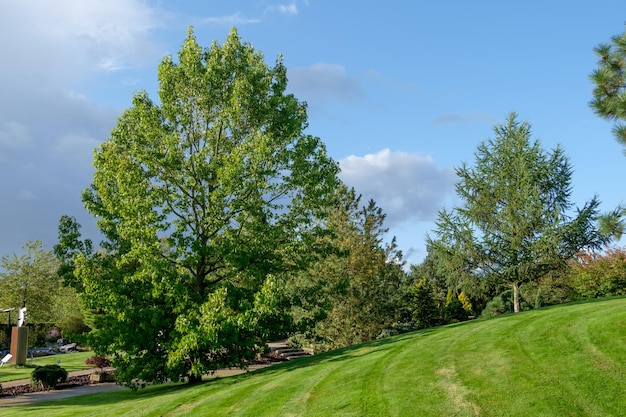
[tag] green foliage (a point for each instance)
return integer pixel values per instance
(98, 362)
(465, 301)
(433, 268)
(554, 288)
(514, 225)
(352, 293)
(68, 246)
(594, 274)
(609, 78)
(49, 376)
(500, 304)
(73, 325)
(425, 312)
(207, 199)
(480, 368)
(539, 300)
(612, 223)
(32, 277)
(454, 312)
(495, 307)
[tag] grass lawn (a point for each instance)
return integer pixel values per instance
(69, 361)
(562, 361)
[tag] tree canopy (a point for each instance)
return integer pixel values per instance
(609, 78)
(514, 223)
(352, 292)
(32, 278)
(203, 197)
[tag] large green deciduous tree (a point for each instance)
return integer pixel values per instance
(609, 78)
(204, 198)
(514, 223)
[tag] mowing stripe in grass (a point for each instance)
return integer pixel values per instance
(561, 361)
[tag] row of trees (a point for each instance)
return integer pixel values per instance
(225, 226)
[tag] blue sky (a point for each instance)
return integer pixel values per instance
(401, 92)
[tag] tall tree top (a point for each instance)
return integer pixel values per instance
(609, 93)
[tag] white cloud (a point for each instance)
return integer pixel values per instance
(235, 19)
(66, 39)
(48, 124)
(289, 9)
(325, 82)
(240, 19)
(407, 186)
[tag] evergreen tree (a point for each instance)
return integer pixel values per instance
(425, 312)
(514, 224)
(354, 290)
(609, 78)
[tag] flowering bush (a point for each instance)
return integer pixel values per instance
(52, 336)
(98, 362)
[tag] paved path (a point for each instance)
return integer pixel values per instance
(24, 399)
(34, 397)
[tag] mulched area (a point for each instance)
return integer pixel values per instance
(72, 382)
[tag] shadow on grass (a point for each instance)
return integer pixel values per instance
(344, 354)
(110, 398)
(339, 355)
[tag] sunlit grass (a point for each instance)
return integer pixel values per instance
(560, 361)
(69, 361)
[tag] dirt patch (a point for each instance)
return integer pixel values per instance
(456, 391)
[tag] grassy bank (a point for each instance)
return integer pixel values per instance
(561, 361)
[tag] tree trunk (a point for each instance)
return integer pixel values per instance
(516, 306)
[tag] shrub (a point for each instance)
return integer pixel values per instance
(554, 288)
(454, 312)
(599, 274)
(467, 304)
(494, 308)
(52, 335)
(425, 312)
(500, 304)
(98, 362)
(49, 376)
(73, 325)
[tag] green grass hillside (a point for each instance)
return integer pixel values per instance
(561, 361)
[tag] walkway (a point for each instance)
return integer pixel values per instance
(24, 399)
(33, 397)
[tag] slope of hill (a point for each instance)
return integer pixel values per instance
(563, 361)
